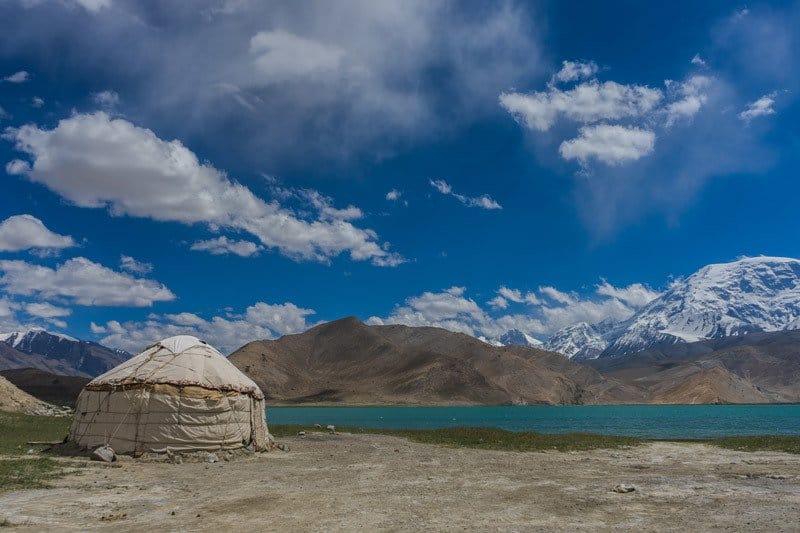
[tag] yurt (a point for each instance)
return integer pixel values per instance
(179, 394)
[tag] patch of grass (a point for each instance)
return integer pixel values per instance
(773, 443)
(488, 438)
(34, 473)
(17, 429)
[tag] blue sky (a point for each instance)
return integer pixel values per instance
(226, 169)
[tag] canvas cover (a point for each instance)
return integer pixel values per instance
(179, 394)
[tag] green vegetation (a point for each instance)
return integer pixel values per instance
(498, 439)
(17, 429)
(23, 473)
(20, 471)
(488, 438)
(772, 443)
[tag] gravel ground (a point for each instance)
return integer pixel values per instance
(371, 482)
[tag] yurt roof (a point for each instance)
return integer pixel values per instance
(181, 361)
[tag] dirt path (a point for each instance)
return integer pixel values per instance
(370, 482)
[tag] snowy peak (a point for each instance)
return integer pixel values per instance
(578, 341)
(516, 337)
(23, 339)
(749, 295)
(54, 350)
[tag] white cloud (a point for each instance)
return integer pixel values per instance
(25, 232)
(133, 266)
(96, 161)
(37, 102)
(687, 98)
(699, 61)
(97, 329)
(635, 294)
(451, 309)
(760, 108)
(484, 201)
(223, 245)
(106, 99)
(281, 56)
(18, 77)
(517, 296)
(46, 310)
(82, 281)
(259, 321)
(498, 302)
(586, 103)
(557, 295)
(576, 70)
(609, 144)
(16, 167)
(393, 195)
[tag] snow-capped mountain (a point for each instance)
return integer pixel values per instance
(49, 351)
(578, 341)
(25, 340)
(515, 336)
(719, 300)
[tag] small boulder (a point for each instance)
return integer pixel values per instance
(211, 458)
(331, 428)
(622, 488)
(317, 426)
(283, 447)
(301, 434)
(105, 454)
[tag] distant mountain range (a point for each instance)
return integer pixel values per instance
(347, 361)
(56, 353)
(758, 294)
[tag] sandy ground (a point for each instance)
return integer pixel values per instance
(370, 482)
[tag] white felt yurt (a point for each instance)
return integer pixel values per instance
(179, 394)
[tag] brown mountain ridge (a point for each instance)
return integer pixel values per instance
(347, 361)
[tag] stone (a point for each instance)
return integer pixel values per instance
(301, 434)
(331, 428)
(105, 454)
(317, 426)
(211, 457)
(283, 447)
(622, 488)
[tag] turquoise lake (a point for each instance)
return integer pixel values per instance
(650, 421)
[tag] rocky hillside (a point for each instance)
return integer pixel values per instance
(348, 361)
(52, 388)
(13, 400)
(753, 368)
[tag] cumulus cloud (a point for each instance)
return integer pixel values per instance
(81, 281)
(759, 108)
(635, 294)
(484, 201)
(17, 167)
(226, 333)
(18, 77)
(223, 245)
(543, 315)
(96, 161)
(26, 232)
(46, 310)
(37, 102)
(393, 195)
(106, 99)
(517, 296)
(576, 70)
(588, 102)
(133, 266)
(96, 328)
(609, 144)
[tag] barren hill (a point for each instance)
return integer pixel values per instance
(349, 361)
(753, 368)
